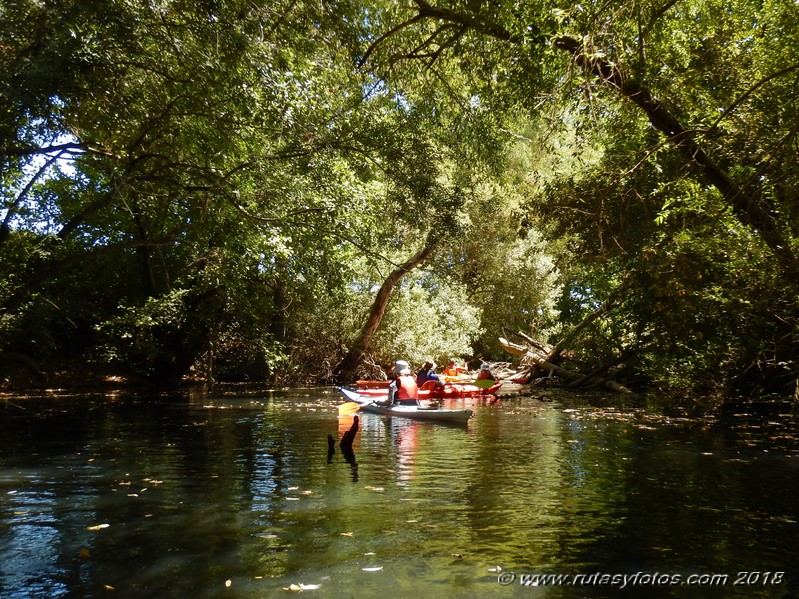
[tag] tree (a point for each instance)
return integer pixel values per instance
(201, 172)
(347, 367)
(666, 101)
(204, 161)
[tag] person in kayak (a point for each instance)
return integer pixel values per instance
(485, 373)
(402, 390)
(452, 369)
(427, 373)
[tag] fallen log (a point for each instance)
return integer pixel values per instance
(596, 372)
(554, 369)
(561, 345)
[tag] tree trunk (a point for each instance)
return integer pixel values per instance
(345, 371)
(561, 345)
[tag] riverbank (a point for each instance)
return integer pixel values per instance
(22, 375)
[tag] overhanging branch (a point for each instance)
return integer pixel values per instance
(748, 208)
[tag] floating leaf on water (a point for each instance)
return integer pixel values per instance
(302, 587)
(292, 488)
(370, 553)
(228, 583)
(307, 492)
(376, 489)
(495, 569)
(292, 498)
(346, 534)
(375, 569)
(98, 527)
(411, 521)
(108, 587)
(457, 555)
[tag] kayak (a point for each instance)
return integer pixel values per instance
(433, 391)
(368, 404)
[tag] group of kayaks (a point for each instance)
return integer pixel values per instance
(372, 396)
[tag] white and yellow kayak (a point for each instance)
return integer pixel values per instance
(368, 404)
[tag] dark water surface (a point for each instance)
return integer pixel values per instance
(236, 496)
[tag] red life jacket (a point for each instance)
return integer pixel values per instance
(406, 387)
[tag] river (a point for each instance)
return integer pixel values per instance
(237, 495)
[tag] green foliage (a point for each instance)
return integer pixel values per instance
(698, 281)
(131, 336)
(426, 322)
(189, 180)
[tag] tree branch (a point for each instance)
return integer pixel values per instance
(747, 208)
(387, 35)
(12, 210)
(749, 92)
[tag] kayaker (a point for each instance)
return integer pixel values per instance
(402, 390)
(427, 373)
(452, 369)
(485, 373)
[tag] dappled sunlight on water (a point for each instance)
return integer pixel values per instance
(241, 494)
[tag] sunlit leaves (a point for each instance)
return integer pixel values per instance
(424, 323)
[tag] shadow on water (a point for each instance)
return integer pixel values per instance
(249, 495)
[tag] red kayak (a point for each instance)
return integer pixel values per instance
(430, 390)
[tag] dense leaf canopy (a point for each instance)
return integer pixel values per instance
(220, 188)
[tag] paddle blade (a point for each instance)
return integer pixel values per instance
(348, 408)
(484, 383)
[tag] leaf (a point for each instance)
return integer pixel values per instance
(98, 527)
(302, 587)
(374, 569)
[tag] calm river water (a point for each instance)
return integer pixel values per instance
(237, 496)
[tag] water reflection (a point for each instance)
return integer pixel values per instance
(348, 427)
(176, 498)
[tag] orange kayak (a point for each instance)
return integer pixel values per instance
(430, 390)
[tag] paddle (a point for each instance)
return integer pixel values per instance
(348, 408)
(484, 383)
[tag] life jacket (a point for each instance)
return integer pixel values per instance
(425, 375)
(407, 387)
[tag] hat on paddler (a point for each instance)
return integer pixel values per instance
(401, 367)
